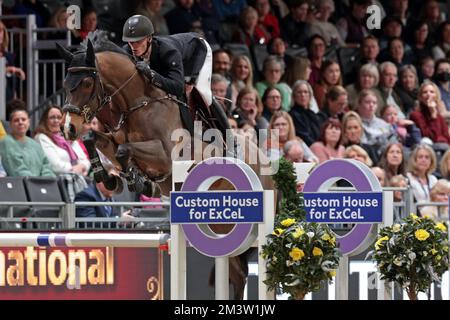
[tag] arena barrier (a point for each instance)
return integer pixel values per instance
(131, 240)
(207, 242)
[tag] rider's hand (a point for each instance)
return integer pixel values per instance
(144, 68)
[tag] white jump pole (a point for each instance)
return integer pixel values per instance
(384, 289)
(133, 240)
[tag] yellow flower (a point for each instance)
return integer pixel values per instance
(296, 254)
(317, 252)
(287, 222)
(278, 232)
(421, 235)
(433, 251)
(298, 233)
(396, 227)
(414, 216)
(325, 237)
(332, 240)
(379, 243)
(426, 216)
(438, 258)
(445, 248)
(332, 273)
(441, 226)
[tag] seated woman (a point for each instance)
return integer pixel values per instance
(393, 161)
(377, 132)
(422, 163)
(21, 155)
(353, 133)
(330, 75)
(329, 145)
(273, 70)
(407, 87)
(271, 101)
(368, 78)
(241, 73)
(249, 108)
(444, 165)
(355, 152)
(306, 122)
(427, 118)
(64, 156)
(282, 121)
(439, 193)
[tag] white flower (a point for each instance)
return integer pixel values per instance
(412, 256)
(289, 263)
(310, 234)
(424, 253)
(396, 227)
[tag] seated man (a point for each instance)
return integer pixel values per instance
(98, 193)
(169, 62)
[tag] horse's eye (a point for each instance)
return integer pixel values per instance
(87, 83)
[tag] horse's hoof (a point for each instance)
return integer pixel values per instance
(114, 183)
(152, 189)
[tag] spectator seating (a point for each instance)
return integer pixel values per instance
(13, 189)
(43, 189)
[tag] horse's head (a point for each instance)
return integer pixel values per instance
(84, 90)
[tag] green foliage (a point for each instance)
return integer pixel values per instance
(414, 253)
(291, 205)
(300, 256)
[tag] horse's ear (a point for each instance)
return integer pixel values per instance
(64, 53)
(90, 54)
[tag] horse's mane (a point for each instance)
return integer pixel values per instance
(101, 42)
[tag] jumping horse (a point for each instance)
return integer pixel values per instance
(138, 120)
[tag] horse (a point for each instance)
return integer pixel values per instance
(138, 119)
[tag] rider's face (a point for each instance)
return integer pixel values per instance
(139, 47)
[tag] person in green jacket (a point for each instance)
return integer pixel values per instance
(21, 155)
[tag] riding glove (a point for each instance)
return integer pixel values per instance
(145, 69)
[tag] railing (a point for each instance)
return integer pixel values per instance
(43, 76)
(67, 218)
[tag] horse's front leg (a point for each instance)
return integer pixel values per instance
(146, 157)
(111, 182)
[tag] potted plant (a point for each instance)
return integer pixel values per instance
(300, 256)
(413, 254)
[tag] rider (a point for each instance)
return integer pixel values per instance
(167, 61)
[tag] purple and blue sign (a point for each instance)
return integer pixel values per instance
(200, 179)
(362, 178)
(354, 207)
(217, 207)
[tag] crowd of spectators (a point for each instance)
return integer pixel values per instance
(312, 69)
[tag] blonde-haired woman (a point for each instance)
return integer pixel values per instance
(444, 165)
(422, 163)
(439, 193)
(352, 133)
(282, 121)
(431, 124)
(357, 153)
(241, 75)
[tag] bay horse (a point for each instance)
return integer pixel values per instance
(139, 119)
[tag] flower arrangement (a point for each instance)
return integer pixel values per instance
(300, 256)
(414, 253)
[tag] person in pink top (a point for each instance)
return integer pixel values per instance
(329, 145)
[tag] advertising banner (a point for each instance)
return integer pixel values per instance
(107, 273)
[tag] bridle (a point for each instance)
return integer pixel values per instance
(102, 99)
(87, 112)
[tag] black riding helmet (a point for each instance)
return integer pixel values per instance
(137, 28)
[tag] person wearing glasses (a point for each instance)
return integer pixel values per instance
(64, 156)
